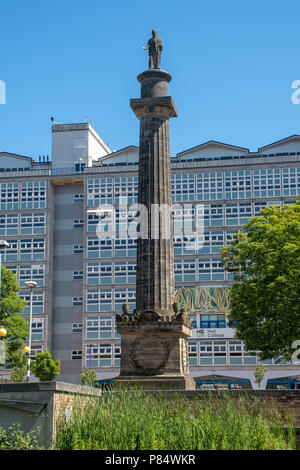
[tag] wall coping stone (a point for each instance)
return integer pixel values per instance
(49, 387)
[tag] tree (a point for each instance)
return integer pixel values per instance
(89, 378)
(259, 373)
(265, 297)
(16, 326)
(18, 373)
(44, 368)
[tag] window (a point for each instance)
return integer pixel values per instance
(9, 196)
(35, 350)
(78, 198)
(213, 241)
(183, 187)
(99, 248)
(76, 327)
(238, 214)
(33, 195)
(33, 224)
(99, 356)
(79, 167)
(77, 223)
(77, 275)
(238, 184)
(37, 329)
(187, 245)
(192, 353)
(77, 301)
(291, 181)
(76, 354)
(32, 250)
(126, 190)
(125, 247)
(99, 301)
(209, 186)
(210, 270)
(213, 215)
(32, 273)
(77, 249)
(213, 321)
(123, 296)
(185, 271)
(266, 183)
(117, 355)
(9, 224)
(125, 273)
(38, 302)
(99, 328)
(111, 273)
(10, 254)
(99, 273)
(100, 191)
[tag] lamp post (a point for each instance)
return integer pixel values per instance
(91, 346)
(31, 285)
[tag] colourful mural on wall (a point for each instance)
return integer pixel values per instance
(204, 299)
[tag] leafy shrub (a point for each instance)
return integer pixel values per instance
(15, 439)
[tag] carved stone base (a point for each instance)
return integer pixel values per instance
(159, 382)
(154, 348)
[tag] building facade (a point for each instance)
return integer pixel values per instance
(49, 214)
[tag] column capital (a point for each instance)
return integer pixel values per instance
(161, 105)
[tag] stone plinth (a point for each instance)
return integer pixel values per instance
(155, 353)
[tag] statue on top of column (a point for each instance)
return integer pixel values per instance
(155, 47)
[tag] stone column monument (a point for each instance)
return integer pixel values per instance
(154, 349)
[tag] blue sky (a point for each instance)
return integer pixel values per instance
(232, 63)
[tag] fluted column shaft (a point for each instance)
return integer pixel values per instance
(155, 254)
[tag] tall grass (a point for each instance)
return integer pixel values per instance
(130, 420)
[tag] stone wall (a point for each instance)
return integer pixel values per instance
(40, 404)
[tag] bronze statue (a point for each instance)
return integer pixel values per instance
(155, 48)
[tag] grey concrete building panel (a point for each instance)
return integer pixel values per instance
(67, 262)
(63, 225)
(63, 250)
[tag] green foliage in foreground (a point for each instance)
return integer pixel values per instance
(15, 439)
(265, 297)
(16, 326)
(44, 368)
(89, 378)
(129, 420)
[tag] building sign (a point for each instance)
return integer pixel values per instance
(213, 333)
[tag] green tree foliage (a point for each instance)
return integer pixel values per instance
(17, 327)
(259, 373)
(44, 368)
(265, 297)
(18, 373)
(89, 378)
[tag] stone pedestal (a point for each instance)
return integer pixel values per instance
(155, 353)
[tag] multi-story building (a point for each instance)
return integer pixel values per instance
(49, 215)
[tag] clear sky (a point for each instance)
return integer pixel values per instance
(232, 63)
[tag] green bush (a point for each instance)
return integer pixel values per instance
(15, 439)
(129, 420)
(44, 368)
